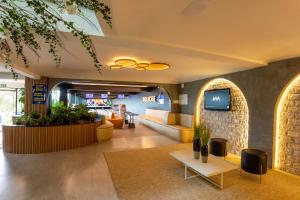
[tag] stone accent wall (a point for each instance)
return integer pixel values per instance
(232, 125)
(289, 131)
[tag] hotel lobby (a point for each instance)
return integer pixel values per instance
(146, 100)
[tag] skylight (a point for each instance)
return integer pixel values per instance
(86, 21)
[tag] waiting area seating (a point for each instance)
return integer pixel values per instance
(104, 131)
(174, 125)
(218, 147)
(254, 161)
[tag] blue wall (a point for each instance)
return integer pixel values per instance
(135, 104)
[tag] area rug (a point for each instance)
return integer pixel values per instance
(152, 174)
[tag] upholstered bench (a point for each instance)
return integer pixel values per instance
(174, 125)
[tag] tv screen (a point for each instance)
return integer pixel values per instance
(104, 96)
(121, 96)
(219, 99)
(98, 102)
(89, 95)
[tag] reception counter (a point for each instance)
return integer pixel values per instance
(30, 140)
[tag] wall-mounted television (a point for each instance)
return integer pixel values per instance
(104, 96)
(121, 96)
(98, 102)
(218, 99)
(89, 95)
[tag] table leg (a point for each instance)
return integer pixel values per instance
(185, 172)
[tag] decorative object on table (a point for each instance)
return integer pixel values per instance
(254, 161)
(218, 147)
(204, 138)
(196, 142)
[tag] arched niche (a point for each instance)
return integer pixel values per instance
(232, 125)
(286, 148)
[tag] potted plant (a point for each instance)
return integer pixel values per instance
(196, 142)
(204, 138)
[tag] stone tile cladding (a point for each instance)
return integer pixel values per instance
(231, 125)
(289, 131)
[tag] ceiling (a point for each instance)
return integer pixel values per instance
(198, 38)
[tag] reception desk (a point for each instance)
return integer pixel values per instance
(30, 140)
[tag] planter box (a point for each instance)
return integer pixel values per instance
(30, 140)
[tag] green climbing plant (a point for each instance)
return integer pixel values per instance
(21, 27)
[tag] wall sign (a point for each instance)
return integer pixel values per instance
(39, 93)
(149, 99)
(183, 99)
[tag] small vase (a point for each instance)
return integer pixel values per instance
(196, 148)
(196, 155)
(204, 153)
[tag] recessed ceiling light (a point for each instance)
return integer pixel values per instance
(158, 66)
(115, 66)
(126, 62)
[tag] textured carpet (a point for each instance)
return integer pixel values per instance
(151, 174)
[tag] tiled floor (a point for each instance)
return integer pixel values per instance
(75, 174)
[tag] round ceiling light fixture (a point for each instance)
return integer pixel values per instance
(157, 66)
(143, 64)
(115, 66)
(140, 68)
(126, 62)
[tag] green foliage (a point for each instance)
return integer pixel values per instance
(27, 29)
(197, 132)
(60, 115)
(205, 136)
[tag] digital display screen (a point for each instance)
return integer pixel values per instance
(89, 95)
(121, 96)
(219, 99)
(104, 96)
(98, 102)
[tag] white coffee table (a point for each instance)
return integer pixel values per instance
(214, 166)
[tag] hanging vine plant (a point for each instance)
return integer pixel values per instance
(21, 26)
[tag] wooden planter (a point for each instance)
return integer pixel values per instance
(29, 140)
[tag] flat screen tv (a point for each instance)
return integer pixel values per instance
(121, 96)
(98, 102)
(104, 96)
(219, 99)
(89, 95)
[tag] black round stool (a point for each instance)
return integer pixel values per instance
(254, 161)
(218, 147)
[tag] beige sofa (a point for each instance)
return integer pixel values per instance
(174, 125)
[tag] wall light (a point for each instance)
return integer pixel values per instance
(278, 109)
